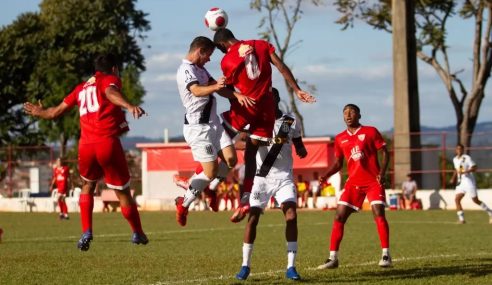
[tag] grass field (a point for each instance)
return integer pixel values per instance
(427, 248)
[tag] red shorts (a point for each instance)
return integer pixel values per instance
(104, 159)
(61, 187)
(260, 117)
(354, 196)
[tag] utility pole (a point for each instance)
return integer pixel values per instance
(405, 92)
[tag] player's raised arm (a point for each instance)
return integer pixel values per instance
(287, 74)
(114, 96)
(37, 110)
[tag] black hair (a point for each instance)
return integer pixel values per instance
(202, 43)
(223, 35)
(276, 95)
(461, 145)
(105, 63)
(353, 107)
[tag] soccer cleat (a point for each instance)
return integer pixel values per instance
(461, 222)
(140, 238)
(292, 274)
(66, 217)
(329, 264)
(240, 213)
(386, 261)
(1, 233)
(490, 220)
(243, 273)
(85, 241)
(181, 212)
(182, 182)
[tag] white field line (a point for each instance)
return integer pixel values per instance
(276, 272)
(184, 231)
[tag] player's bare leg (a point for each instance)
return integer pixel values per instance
(342, 214)
(459, 208)
(484, 207)
(129, 210)
(383, 231)
(290, 214)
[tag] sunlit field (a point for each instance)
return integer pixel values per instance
(428, 247)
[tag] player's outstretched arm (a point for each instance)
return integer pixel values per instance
(332, 169)
(37, 110)
(287, 74)
(206, 90)
(299, 146)
(114, 96)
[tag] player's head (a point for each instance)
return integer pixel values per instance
(276, 95)
(351, 115)
(59, 162)
(106, 63)
(409, 176)
(201, 48)
(460, 149)
(223, 39)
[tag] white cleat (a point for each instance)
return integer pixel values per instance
(386, 261)
(329, 264)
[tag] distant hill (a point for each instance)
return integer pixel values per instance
(129, 142)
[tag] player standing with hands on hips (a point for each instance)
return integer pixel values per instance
(101, 155)
(359, 145)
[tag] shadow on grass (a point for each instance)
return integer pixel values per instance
(471, 268)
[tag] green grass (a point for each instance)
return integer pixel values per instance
(427, 248)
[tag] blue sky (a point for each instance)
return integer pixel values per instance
(352, 66)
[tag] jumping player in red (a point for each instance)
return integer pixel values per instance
(359, 145)
(101, 155)
(247, 68)
(61, 174)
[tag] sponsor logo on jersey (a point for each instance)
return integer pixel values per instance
(356, 153)
(209, 149)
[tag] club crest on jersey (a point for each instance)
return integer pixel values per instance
(361, 137)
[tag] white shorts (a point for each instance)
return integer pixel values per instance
(206, 140)
(466, 186)
(283, 190)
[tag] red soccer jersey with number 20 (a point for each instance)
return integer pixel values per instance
(360, 150)
(99, 118)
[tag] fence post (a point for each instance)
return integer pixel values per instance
(443, 160)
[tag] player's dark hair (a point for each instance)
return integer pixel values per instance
(203, 43)
(105, 62)
(353, 107)
(223, 35)
(461, 145)
(276, 95)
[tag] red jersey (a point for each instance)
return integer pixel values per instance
(99, 118)
(360, 149)
(234, 67)
(61, 177)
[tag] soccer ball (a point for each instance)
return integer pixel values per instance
(216, 19)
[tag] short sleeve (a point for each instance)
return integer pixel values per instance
(71, 99)
(378, 139)
(296, 130)
(470, 161)
(110, 80)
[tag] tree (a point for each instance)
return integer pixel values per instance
(70, 34)
(431, 19)
(290, 13)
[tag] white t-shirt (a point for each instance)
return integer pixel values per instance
(282, 167)
(408, 186)
(464, 163)
(187, 75)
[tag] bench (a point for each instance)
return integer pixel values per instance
(109, 198)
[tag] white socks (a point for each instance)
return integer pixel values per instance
(291, 253)
(197, 184)
(386, 251)
(333, 255)
(485, 208)
(247, 252)
(461, 216)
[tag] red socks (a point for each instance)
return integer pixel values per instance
(133, 217)
(383, 231)
(63, 207)
(86, 203)
(336, 235)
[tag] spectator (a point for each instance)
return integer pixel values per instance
(409, 190)
(302, 191)
(314, 188)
